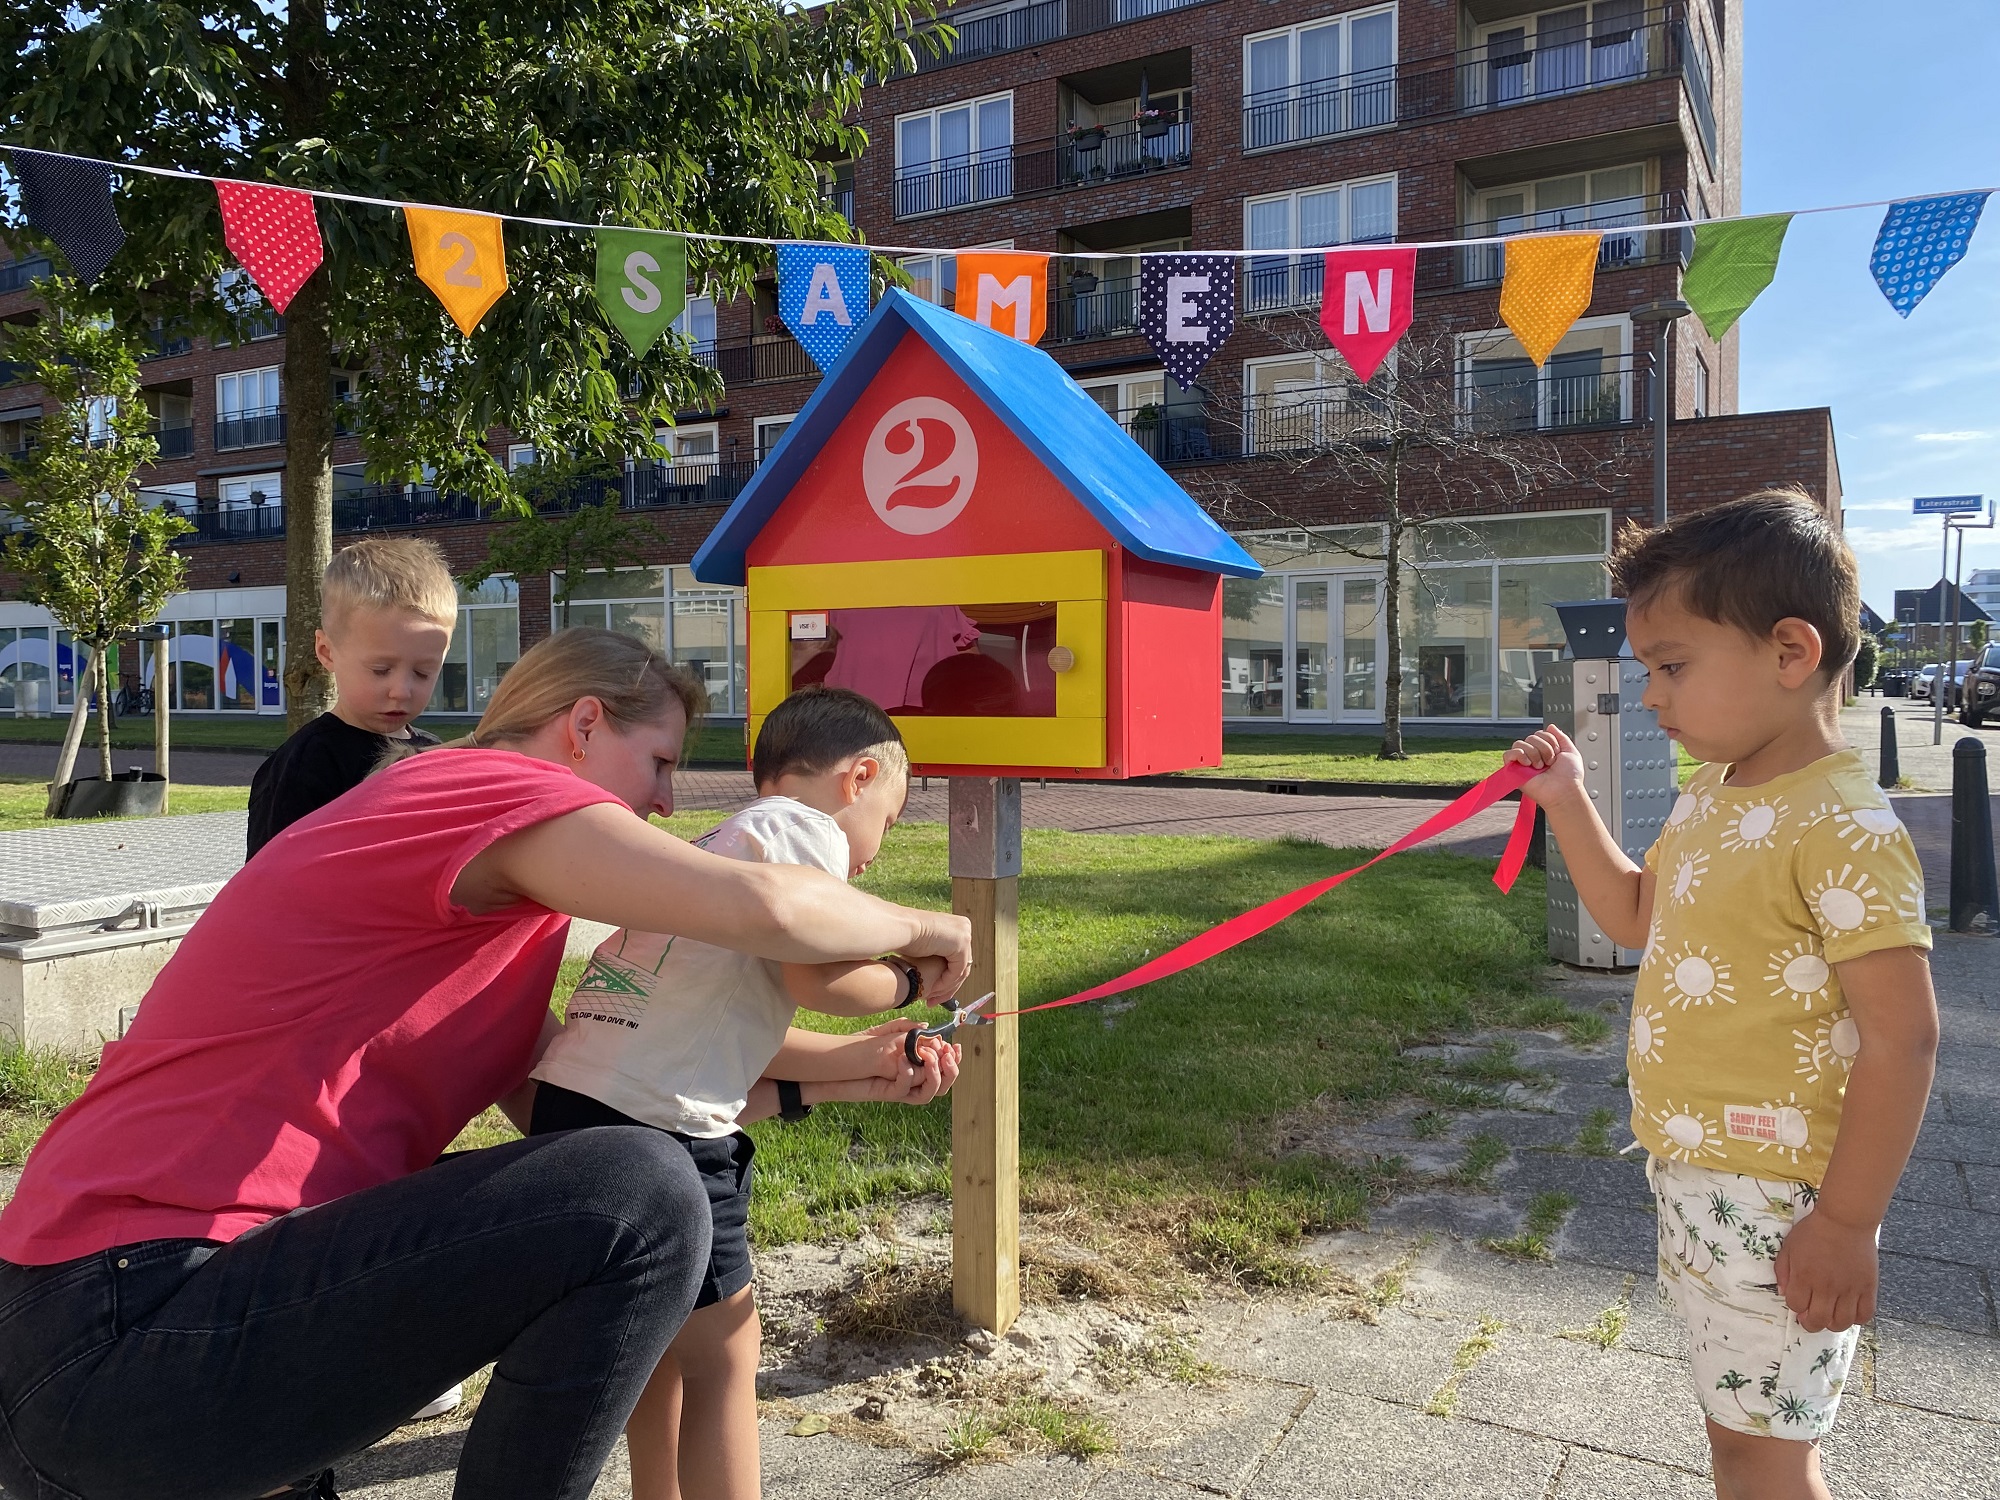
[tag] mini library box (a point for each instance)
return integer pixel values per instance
(955, 529)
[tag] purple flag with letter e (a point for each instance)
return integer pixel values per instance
(1187, 307)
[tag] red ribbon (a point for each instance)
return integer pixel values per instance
(1220, 939)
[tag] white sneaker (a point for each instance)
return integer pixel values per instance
(447, 1402)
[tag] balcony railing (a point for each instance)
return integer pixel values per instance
(841, 201)
(175, 442)
(13, 372)
(1485, 265)
(1107, 153)
(1314, 110)
(691, 481)
(16, 275)
(1110, 309)
(754, 360)
(1499, 74)
(1013, 28)
(165, 343)
(1576, 390)
(958, 182)
(251, 429)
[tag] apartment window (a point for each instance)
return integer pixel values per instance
(696, 323)
(1336, 214)
(485, 645)
(690, 471)
(935, 277)
(249, 491)
(1558, 52)
(1170, 426)
(249, 408)
(769, 430)
(708, 628)
(631, 600)
(520, 456)
(1700, 385)
(1610, 199)
(1300, 403)
(103, 410)
(1319, 80)
(1587, 381)
(255, 318)
(962, 153)
(1100, 298)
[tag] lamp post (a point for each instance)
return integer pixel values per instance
(1665, 312)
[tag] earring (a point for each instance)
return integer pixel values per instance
(576, 754)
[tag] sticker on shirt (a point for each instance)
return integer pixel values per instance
(1697, 976)
(1754, 827)
(1847, 902)
(1688, 871)
(1690, 1134)
(1833, 1043)
(1799, 973)
(1784, 1128)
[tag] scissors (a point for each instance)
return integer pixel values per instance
(961, 1015)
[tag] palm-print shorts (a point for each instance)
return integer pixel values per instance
(1755, 1370)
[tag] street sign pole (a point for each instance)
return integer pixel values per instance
(1946, 507)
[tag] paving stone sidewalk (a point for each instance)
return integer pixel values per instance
(1497, 1378)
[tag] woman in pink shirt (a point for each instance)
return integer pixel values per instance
(237, 1258)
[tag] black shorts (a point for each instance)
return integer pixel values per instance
(722, 1161)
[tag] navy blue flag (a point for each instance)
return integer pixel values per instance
(823, 296)
(70, 202)
(1187, 307)
(1919, 241)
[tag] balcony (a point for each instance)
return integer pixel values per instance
(1000, 30)
(1503, 73)
(250, 429)
(12, 372)
(975, 177)
(691, 481)
(176, 441)
(17, 275)
(754, 360)
(1088, 154)
(1485, 265)
(841, 201)
(162, 343)
(1572, 391)
(1109, 308)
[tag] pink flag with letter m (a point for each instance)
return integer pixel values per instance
(1365, 304)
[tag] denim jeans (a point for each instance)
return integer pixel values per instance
(188, 1370)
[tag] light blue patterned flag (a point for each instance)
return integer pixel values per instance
(823, 296)
(1919, 241)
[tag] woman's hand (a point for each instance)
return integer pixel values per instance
(1551, 752)
(948, 937)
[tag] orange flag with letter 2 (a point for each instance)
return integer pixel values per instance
(1007, 290)
(1547, 288)
(460, 257)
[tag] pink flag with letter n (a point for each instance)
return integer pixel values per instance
(1366, 301)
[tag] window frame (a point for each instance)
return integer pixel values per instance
(1303, 112)
(989, 168)
(1303, 267)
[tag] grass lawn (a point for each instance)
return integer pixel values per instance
(1351, 757)
(714, 743)
(22, 800)
(1163, 1109)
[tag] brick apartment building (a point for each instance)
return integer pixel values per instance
(1128, 126)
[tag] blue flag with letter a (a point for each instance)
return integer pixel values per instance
(823, 296)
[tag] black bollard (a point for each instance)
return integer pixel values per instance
(1974, 888)
(1892, 770)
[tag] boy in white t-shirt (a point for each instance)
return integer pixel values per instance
(697, 1040)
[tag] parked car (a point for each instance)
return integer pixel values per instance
(1982, 690)
(1927, 680)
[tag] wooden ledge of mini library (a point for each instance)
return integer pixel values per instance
(1002, 578)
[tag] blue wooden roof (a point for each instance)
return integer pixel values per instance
(1076, 439)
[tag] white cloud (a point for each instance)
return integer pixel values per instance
(1951, 437)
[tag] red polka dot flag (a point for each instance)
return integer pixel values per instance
(273, 232)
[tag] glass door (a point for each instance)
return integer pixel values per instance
(1310, 621)
(1360, 656)
(271, 666)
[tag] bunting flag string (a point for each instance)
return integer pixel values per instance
(823, 296)
(641, 283)
(274, 234)
(1187, 309)
(68, 198)
(460, 256)
(1006, 290)
(1187, 301)
(1919, 241)
(1732, 264)
(1546, 287)
(1368, 297)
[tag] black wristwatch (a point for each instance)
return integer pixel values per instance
(792, 1106)
(916, 978)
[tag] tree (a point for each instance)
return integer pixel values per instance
(591, 534)
(1865, 662)
(94, 554)
(704, 115)
(1409, 451)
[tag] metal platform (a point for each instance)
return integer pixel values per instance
(98, 876)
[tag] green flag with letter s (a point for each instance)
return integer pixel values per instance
(641, 282)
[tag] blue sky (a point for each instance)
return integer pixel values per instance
(1844, 101)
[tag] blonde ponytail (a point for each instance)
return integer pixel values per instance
(635, 683)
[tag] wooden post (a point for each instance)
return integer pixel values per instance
(985, 823)
(161, 692)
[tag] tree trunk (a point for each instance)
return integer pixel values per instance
(79, 715)
(100, 659)
(1392, 614)
(308, 397)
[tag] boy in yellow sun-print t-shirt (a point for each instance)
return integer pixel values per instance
(1783, 1029)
